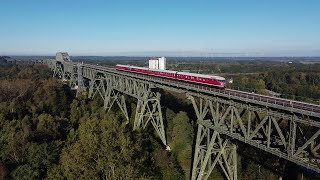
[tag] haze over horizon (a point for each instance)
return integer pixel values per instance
(161, 28)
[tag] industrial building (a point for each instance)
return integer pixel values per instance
(158, 63)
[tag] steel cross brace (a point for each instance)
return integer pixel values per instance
(149, 110)
(211, 149)
(112, 96)
(58, 71)
(286, 136)
(73, 80)
(96, 86)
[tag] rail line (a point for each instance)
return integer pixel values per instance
(314, 110)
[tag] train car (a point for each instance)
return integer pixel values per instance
(210, 80)
(120, 67)
(140, 70)
(163, 73)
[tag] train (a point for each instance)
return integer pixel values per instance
(208, 80)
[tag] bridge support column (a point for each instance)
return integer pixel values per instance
(111, 96)
(73, 81)
(58, 70)
(79, 78)
(149, 110)
(211, 147)
(96, 86)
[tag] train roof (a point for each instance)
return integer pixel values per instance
(129, 66)
(202, 75)
(145, 68)
(182, 73)
(120, 65)
(168, 71)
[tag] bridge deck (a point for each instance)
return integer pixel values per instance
(273, 102)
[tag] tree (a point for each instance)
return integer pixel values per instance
(25, 172)
(182, 140)
(103, 149)
(4, 172)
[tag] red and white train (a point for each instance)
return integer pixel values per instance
(216, 81)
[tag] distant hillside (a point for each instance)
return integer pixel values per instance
(6, 59)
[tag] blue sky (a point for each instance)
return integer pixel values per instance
(160, 27)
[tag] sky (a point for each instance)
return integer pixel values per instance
(160, 27)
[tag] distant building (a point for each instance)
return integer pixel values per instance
(154, 64)
(158, 63)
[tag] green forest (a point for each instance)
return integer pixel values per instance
(48, 133)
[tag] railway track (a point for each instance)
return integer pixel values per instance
(312, 108)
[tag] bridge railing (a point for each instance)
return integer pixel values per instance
(229, 93)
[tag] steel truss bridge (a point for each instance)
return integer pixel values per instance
(285, 128)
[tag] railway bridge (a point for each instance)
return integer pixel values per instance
(285, 128)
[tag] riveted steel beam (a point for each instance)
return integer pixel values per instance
(284, 135)
(149, 110)
(58, 70)
(113, 87)
(211, 149)
(111, 96)
(286, 132)
(97, 86)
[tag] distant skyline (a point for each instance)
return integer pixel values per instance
(160, 28)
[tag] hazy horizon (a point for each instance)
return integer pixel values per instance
(172, 54)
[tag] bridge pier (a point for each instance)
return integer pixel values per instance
(58, 70)
(96, 85)
(79, 79)
(149, 110)
(211, 147)
(113, 88)
(261, 122)
(70, 74)
(111, 96)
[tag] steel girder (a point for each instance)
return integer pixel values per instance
(113, 87)
(149, 110)
(79, 78)
(211, 148)
(294, 137)
(284, 135)
(112, 96)
(65, 71)
(58, 70)
(70, 74)
(101, 86)
(148, 106)
(96, 85)
(130, 86)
